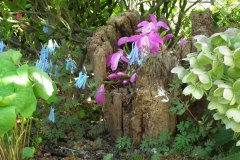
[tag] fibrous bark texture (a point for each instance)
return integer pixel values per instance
(136, 111)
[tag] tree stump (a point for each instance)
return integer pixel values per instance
(136, 111)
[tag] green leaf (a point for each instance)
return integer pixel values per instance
(43, 86)
(228, 94)
(234, 113)
(219, 39)
(234, 156)
(224, 50)
(188, 90)
(7, 119)
(233, 72)
(233, 125)
(12, 55)
(236, 58)
(25, 101)
(204, 58)
(190, 77)
(236, 90)
(28, 152)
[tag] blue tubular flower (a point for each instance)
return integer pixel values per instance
(56, 73)
(133, 56)
(81, 80)
(71, 65)
(2, 46)
(46, 29)
(51, 116)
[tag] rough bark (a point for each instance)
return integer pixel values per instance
(136, 111)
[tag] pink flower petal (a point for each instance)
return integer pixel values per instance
(115, 59)
(125, 82)
(116, 75)
(143, 23)
(168, 37)
(108, 59)
(123, 58)
(122, 41)
(135, 38)
(100, 95)
(163, 24)
(153, 18)
(133, 78)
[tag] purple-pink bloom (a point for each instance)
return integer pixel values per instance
(100, 95)
(168, 37)
(125, 82)
(116, 75)
(182, 41)
(151, 40)
(113, 59)
(133, 78)
(147, 27)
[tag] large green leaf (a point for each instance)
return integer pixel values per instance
(11, 55)
(25, 101)
(219, 39)
(7, 94)
(233, 72)
(7, 119)
(43, 86)
(6, 65)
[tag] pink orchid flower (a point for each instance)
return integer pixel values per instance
(147, 27)
(143, 41)
(113, 59)
(168, 37)
(116, 75)
(133, 78)
(100, 95)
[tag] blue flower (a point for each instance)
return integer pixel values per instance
(46, 29)
(2, 46)
(133, 56)
(81, 80)
(71, 65)
(51, 116)
(56, 73)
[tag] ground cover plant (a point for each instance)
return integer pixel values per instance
(51, 107)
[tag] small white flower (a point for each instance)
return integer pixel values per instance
(154, 150)
(162, 93)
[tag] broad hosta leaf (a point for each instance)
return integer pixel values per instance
(7, 119)
(25, 101)
(234, 113)
(11, 55)
(43, 85)
(6, 65)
